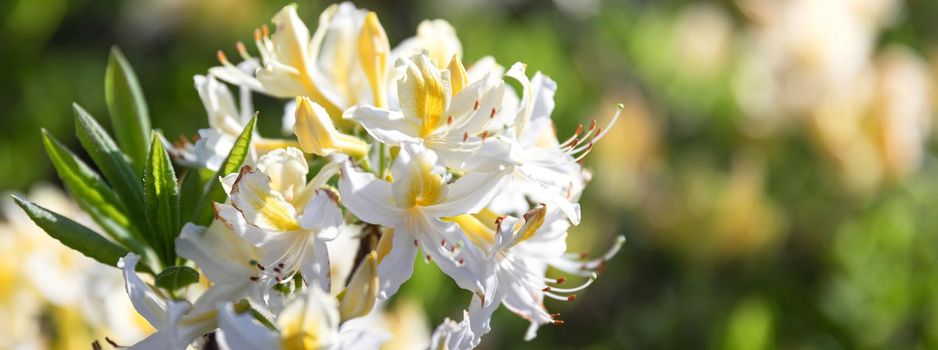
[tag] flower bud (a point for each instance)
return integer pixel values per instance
(316, 133)
(373, 52)
(359, 297)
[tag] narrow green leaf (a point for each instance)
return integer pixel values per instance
(128, 108)
(114, 166)
(175, 277)
(162, 200)
(73, 234)
(92, 194)
(213, 191)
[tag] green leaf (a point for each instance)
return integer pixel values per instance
(213, 191)
(114, 166)
(162, 200)
(92, 193)
(127, 108)
(175, 277)
(73, 234)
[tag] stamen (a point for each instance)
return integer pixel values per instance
(558, 297)
(221, 57)
(577, 288)
(242, 50)
(266, 30)
(587, 268)
(257, 35)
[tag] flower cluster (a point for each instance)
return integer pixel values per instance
(396, 151)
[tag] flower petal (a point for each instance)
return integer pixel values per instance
(398, 265)
(370, 199)
(388, 127)
(242, 332)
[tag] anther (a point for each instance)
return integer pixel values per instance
(266, 30)
(280, 265)
(571, 297)
(443, 242)
(492, 115)
(461, 261)
(476, 106)
(555, 315)
(241, 49)
(465, 136)
(546, 289)
(257, 35)
(579, 130)
(485, 134)
(415, 243)
(254, 278)
(449, 120)
(593, 125)
(261, 267)
(221, 57)
(558, 322)
(561, 280)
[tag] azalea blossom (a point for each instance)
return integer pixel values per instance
(439, 108)
(175, 323)
(310, 321)
(288, 218)
(227, 119)
(412, 205)
(544, 169)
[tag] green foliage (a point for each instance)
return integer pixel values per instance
(127, 107)
(162, 200)
(176, 277)
(213, 191)
(113, 165)
(92, 193)
(73, 234)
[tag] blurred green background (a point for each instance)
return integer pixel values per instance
(773, 171)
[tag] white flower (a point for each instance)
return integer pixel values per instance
(311, 321)
(333, 67)
(288, 218)
(517, 254)
(227, 119)
(437, 38)
(451, 335)
(412, 205)
(438, 107)
(227, 260)
(545, 170)
(175, 326)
